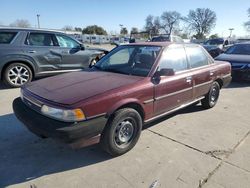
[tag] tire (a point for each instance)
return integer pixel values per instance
(121, 132)
(212, 96)
(17, 74)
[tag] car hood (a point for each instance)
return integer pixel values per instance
(71, 88)
(211, 47)
(235, 58)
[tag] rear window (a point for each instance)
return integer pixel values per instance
(7, 37)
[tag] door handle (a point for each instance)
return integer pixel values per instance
(32, 51)
(211, 73)
(189, 79)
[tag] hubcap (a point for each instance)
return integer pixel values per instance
(124, 133)
(18, 75)
(214, 95)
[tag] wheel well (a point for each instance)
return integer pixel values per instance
(135, 106)
(9, 63)
(220, 82)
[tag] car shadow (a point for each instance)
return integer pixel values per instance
(24, 156)
(3, 86)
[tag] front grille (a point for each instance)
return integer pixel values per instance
(32, 103)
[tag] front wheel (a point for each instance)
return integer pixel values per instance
(122, 131)
(212, 96)
(17, 74)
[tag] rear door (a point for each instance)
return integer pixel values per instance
(201, 71)
(173, 91)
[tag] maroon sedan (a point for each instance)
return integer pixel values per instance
(128, 87)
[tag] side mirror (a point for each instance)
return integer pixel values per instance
(165, 72)
(131, 40)
(82, 47)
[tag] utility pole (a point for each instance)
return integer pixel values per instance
(38, 20)
(231, 31)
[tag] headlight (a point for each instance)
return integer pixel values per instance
(64, 115)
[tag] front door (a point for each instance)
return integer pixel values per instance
(173, 91)
(73, 56)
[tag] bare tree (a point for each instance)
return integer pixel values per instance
(149, 23)
(247, 24)
(170, 20)
(20, 23)
(68, 28)
(157, 25)
(153, 24)
(202, 21)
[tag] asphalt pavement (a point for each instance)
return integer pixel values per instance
(192, 148)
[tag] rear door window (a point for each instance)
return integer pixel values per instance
(40, 39)
(174, 58)
(197, 57)
(7, 37)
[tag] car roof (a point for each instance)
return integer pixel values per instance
(29, 29)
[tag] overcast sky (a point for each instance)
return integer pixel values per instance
(110, 13)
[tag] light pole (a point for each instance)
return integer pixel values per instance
(231, 30)
(38, 21)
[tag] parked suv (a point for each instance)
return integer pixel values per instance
(29, 53)
(132, 85)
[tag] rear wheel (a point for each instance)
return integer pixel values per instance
(122, 131)
(17, 74)
(212, 96)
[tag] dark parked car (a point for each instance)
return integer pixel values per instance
(132, 85)
(29, 53)
(217, 46)
(239, 57)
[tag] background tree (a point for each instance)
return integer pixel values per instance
(214, 36)
(247, 24)
(94, 29)
(152, 25)
(68, 28)
(170, 21)
(157, 25)
(134, 30)
(20, 23)
(149, 23)
(124, 31)
(78, 29)
(202, 21)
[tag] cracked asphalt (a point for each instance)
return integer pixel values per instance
(193, 148)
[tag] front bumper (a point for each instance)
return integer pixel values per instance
(65, 131)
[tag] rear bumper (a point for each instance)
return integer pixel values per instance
(226, 80)
(65, 131)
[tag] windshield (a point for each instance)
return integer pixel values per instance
(130, 60)
(241, 49)
(214, 42)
